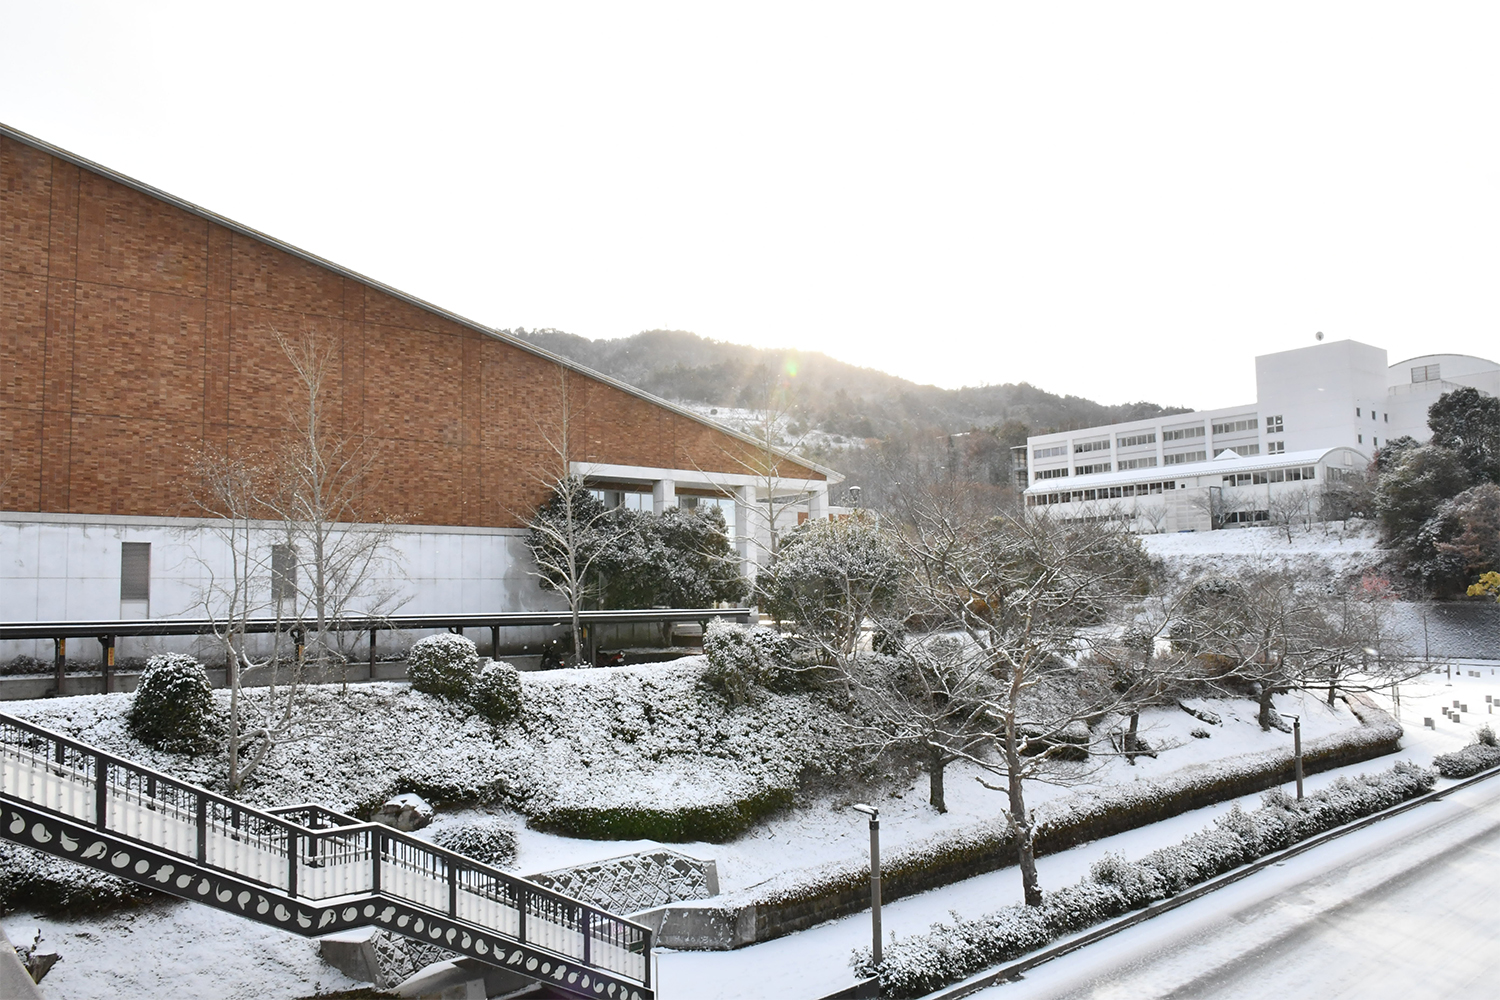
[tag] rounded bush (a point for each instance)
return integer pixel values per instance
(491, 843)
(742, 656)
(173, 706)
(443, 665)
(495, 692)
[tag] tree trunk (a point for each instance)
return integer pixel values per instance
(935, 766)
(1021, 821)
(1131, 740)
(1331, 687)
(1266, 708)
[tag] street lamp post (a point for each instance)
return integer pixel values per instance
(1297, 750)
(874, 815)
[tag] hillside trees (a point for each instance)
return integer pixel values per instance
(1467, 422)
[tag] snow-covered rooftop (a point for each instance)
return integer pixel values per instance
(1223, 465)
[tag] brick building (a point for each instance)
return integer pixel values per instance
(137, 331)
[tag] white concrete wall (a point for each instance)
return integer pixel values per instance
(67, 567)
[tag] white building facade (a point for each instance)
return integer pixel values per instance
(1320, 414)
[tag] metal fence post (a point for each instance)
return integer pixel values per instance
(374, 860)
(587, 938)
(291, 862)
(101, 791)
(202, 828)
(522, 898)
(452, 889)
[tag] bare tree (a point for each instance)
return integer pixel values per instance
(312, 496)
(1027, 595)
(570, 531)
(1291, 508)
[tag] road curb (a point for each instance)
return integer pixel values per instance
(1013, 970)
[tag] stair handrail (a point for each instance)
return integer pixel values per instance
(56, 757)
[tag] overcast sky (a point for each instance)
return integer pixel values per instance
(1121, 201)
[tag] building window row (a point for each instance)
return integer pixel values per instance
(1136, 439)
(1052, 473)
(1149, 462)
(1426, 373)
(1247, 516)
(1187, 456)
(1102, 493)
(1239, 449)
(1183, 433)
(1273, 425)
(1051, 452)
(1307, 472)
(1089, 470)
(1275, 447)
(1235, 426)
(1092, 446)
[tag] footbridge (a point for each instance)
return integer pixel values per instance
(306, 869)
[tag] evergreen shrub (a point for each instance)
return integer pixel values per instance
(495, 692)
(740, 657)
(443, 665)
(490, 842)
(173, 705)
(715, 822)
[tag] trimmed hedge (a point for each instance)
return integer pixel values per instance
(715, 823)
(1469, 761)
(947, 953)
(492, 842)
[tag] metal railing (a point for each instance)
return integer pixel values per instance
(305, 851)
(108, 632)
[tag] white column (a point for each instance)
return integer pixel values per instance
(744, 529)
(663, 495)
(817, 504)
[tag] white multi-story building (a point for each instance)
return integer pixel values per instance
(1320, 413)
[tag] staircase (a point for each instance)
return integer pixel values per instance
(307, 869)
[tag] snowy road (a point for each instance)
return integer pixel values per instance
(1405, 908)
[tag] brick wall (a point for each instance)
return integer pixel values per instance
(135, 335)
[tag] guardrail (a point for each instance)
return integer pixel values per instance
(310, 869)
(107, 632)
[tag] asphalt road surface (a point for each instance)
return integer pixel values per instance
(1408, 908)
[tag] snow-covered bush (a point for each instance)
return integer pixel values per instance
(715, 822)
(1469, 761)
(949, 952)
(40, 883)
(743, 656)
(495, 692)
(173, 705)
(442, 665)
(489, 841)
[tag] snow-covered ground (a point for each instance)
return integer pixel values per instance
(1334, 550)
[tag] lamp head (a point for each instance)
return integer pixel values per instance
(869, 811)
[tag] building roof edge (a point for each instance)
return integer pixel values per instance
(84, 163)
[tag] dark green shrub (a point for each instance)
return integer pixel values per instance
(173, 705)
(1469, 761)
(715, 823)
(495, 692)
(443, 665)
(490, 842)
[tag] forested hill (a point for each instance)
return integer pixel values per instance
(827, 394)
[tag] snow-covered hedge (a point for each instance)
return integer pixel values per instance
(173, 705)
(1469, 761)
(490, 841)
(443, 665)
(41, 883)
(951, 951)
